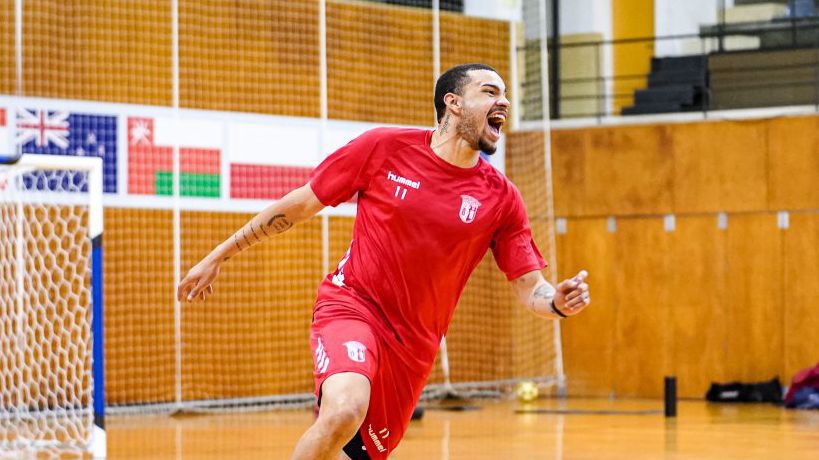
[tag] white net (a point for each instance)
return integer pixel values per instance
(223, 107)
(46, 354)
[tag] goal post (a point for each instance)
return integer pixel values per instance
(51, 306)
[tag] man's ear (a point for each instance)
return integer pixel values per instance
(453, 101)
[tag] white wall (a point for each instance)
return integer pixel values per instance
(585, 16)
(576, 17)
(591, 16)
(675, 17)
(508, 10)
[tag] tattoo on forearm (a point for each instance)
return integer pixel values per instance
(279, 223)
(542, 292)
(244, 236)
(254, 233)
(445, 124)
(261, 227)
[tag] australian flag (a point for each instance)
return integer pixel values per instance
(55, 132)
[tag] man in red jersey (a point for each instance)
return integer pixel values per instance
(429, 207)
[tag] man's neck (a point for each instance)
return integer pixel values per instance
(451, 147)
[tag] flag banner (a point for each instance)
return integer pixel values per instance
(267, 160)
(59, 132)
(222, 155)
(248, 181)
(4, 135)
(150, 156)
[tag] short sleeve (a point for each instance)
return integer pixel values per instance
(346, 171)
(512, 245)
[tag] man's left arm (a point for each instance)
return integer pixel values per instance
(568, 299)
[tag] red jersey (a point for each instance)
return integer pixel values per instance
(422, 226)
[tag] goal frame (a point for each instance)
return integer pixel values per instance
(93, 166)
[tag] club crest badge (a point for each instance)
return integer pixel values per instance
(469, 207)
(355, 351)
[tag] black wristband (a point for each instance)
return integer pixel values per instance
(558, 312)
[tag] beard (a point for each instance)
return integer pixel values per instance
(487, 147)
(469, 131)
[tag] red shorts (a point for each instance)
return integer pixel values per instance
(342, 340)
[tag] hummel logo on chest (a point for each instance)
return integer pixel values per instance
(416, 184)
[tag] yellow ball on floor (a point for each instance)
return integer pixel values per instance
(526, 391)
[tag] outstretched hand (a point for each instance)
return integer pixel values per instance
(572, 295)
(196, 285)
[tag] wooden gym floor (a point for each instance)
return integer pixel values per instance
(569, 429)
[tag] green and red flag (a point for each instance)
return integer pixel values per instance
(150, 157)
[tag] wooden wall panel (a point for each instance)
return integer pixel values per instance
(628, 170)
(725, 175)
(748, 315)
(139, 322)
(525, 166)
(8, 62)
(569, 153)
(527, 169)
(532, 340)
(722, 166)
(753, 301)
(699, 321)
(533, 347)
(643, 318)
(340, 237)
(252, 337)
(800, 302)
(479, 338)
(460, 44)
(379, 63)
(113, 51)
(246, 55)
(793, 163)
(588, 339)
(250, 56)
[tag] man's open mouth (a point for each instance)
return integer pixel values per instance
(496, 121)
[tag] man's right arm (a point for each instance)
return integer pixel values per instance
(297, 206)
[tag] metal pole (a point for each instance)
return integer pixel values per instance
(436, 47)
(547, 151)
(816, 70)
(555, 64)
(18, 45)
(177, 218)
(514, 81)
(602, 102)
(706, 87)
(721, 28)
(323, 110)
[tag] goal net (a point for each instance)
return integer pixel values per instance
(50, 230)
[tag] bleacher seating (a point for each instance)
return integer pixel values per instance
(675, 84)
